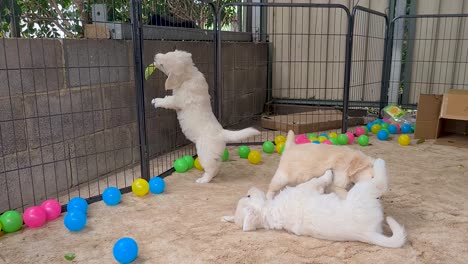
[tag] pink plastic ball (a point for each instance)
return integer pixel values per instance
(350, 137)
(302, 139)
(386, 120)
(328, 142)
(359, 131)
(53, 209)
(398, 127)
(34, 216)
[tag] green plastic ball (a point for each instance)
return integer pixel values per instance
(189, 159)
(363, 140)
(343, 139)
(268, 147)
(384, 125)
(334, 141)
(365, 128)
(225, 156)
(180, 165)
(243, 152)
(311, 135)
(11, 221)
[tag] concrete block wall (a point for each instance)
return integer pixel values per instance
(68, 111)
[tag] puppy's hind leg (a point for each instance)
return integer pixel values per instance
(318, 184)
(210, 158)
(279, 180)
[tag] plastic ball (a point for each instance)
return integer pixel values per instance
(197, 164)
(360, 131)
(279, 139)
(323, 135)
(189, 160)
(406, 129)
(367, 129)
(301, 139)
(382, 135)
(343, 139)
(225, 156)
(180, 165)
(392, 129)
(52, 208)
(140, 187)
(312, 139)
(78, 203)
(332, 135)
(311, 135)
(384, 125)
(35, 216)
(111, 196)
(334, 141)
(322, 139)
(413, 128)
(404, 140)
(279, 147)
(254, 157)
(369, 126)
(375, 128)
(243, 152)
(316, 142)
(125, 250)
(157, 185)
(11, 221)
(363, 140)
(350, 137)
(327, 142)
(268, 147)
(386, 120)
(75, 220)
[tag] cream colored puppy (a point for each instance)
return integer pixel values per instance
(301, 162)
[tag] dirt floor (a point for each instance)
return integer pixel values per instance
(428, 195)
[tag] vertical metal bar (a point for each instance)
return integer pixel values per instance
(135, 11)
(408, 65)
(218, 89)
(263, 22)
(387, 60)
(347, 75)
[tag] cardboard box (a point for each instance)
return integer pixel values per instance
(444, 118)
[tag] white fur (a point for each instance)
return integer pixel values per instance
(302, 162)
(191, 101)
(305, 210)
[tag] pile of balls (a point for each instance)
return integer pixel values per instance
(383, 128)
(187, 162)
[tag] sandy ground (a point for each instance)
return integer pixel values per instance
(428, 194)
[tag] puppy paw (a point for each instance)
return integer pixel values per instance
(203, 179)
(156, 102)
(379, 164)
(328, 176)
(270, 195)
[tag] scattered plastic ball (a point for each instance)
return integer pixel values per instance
(384, 125)
(413, 128)
(301, 139)
(316, 142)
(404, 140)
(11, 221)
(327, 142)
(334, 141)
(343, 139)
(140, 187)
(157, 185)
(52, 208)
(323, 135)
(78, 203)
(197, 164)
(180, 165)
(398, 126)
(280, 147)
(225, 156)
(363, 140)
(322, 139)
(243, 152)
(189, 160)
(367, 129)
(311, 135)
(35, 216)
(406, 129)
(382, 134)
(125, 250)
(111, 196)
(375, 128)
(332, 135)
(369, 126)
(268, 147)
(392, 129)
(279, 139)
(312, 139)
(75, 220)
(350, 137)
(360, 131)
(254, 157)
(386, 120)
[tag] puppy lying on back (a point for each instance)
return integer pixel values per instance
(191, 101)
(305, 210)
(302, 162)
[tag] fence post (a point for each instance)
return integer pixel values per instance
(347, 77)
(137, 39)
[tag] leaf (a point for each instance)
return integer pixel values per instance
(149, 70)
(420, 141)
(69, 256)
(460, 166)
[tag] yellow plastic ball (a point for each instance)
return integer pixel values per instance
(375, 128)
(322, 139)
(279, 139)
(312, 139)
(197, 164)
(404, 140)
(140, 187)
(333, 135)
(254, 157)
(279, 147)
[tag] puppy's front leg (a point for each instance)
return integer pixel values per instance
(280, 180)
(318, 184)
(167, 102)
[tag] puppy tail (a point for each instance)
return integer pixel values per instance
(290, 139)
(236, 136)
(397, 239)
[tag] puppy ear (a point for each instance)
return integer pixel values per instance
(356, 165)
(173, 81)
(250, 220)
(228, 218)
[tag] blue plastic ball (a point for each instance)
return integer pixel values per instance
(157, 185)
(75, 220)
(125, 250)
(392, 129)
(78, 203)
(369, 126)
(316, 142)
(406, 129)
(382, 135)
(111, 196)
(323, 135)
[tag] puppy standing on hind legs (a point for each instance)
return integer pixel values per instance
(191, 100)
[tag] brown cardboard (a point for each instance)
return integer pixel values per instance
(455, 105)
(427, 118)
